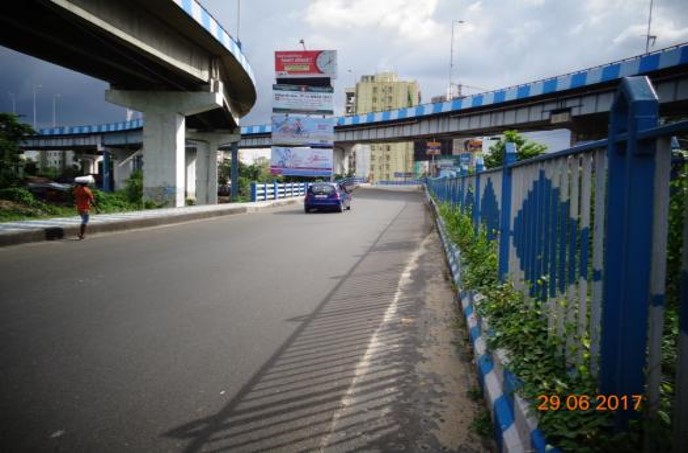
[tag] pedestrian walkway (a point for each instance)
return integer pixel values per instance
(21, 232)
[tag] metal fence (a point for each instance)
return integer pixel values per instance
(588, 227)
(278, 190)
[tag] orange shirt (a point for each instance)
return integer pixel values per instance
(83, 198)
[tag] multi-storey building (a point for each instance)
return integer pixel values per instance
(380, 92)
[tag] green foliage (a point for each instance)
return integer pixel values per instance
(12, 132)
(18, 195)
(677, 205)
(525, 149)
(223, 172)
(258, 172)
(114, 201)
(23, 205)
(479, 253)
(482, 424)
(134, 187)
(519, 326)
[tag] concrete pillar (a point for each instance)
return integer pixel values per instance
(190, 180)
(164, 135)
(207, 146)
(206, 173)
(163, 147)
(341, 158)
(122, 166)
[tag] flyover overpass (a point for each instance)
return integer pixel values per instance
(169, 59)
(579, 101)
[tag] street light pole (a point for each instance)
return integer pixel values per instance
(238, 40)
(55, 96)
(35, 87)
(649, 37)
(451, 59)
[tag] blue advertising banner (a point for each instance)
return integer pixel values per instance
(296, 130)
(300, 161)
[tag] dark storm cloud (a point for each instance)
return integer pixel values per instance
(78, 99)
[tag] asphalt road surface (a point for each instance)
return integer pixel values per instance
(275, 331)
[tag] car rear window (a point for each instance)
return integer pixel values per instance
(322, 189)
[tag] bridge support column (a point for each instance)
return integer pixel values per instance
(207, 146)
(342, 158)
(122, 167)
(191, 166)
(164, 136)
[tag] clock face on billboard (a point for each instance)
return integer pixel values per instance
(306, 63)
(326, 62)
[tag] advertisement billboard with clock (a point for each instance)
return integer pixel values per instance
(306, 63)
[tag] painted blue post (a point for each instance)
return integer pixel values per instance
(106, 171)
(479, 168)
(505, 219)
(476, 203)
(234, 173)
(628, 247)
(254, 192)
(275, 186)
(479, 164)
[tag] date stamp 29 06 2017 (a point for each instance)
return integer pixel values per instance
(584, 402)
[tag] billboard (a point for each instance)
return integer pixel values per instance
(295, 130)
(302, 99)
(306, 63)
(420, 148)
(433, 148)
(298, 161)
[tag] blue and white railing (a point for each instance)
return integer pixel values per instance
(277, 191)
(203, 18)
(588, 227)
(661, 59)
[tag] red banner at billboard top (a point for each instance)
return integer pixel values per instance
(306, 63)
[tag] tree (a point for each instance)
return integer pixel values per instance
(525, 149)
(12, 133)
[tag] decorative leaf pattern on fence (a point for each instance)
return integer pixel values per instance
(547, 240)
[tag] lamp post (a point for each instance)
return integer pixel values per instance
(238, 40)
(35, 88)
(451, 58)
(649, 37)
(55, 96)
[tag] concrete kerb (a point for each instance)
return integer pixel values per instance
(15, 233)
(514, 424)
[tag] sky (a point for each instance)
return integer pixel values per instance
(500, 43)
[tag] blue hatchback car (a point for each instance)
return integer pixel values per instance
(327, 196)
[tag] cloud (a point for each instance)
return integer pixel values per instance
(410, 19)
(501, 43)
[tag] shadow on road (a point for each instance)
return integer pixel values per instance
(344, 380)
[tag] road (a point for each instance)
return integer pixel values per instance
(274, 331)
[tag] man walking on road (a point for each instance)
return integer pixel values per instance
(84, 199)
